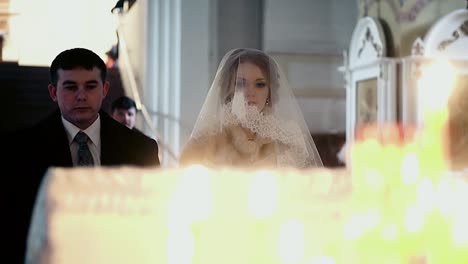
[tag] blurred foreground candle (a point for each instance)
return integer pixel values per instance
(199, 215)
(401, 174)
(434, 89)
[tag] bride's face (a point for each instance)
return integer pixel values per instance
(253, 82)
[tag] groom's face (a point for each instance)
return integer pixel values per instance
(79, 94)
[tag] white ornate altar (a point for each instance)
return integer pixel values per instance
(383, 90)
(370, 78)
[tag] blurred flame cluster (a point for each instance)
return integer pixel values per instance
(407, 204)
(409, 197)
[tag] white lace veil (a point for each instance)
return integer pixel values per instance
(281, 120)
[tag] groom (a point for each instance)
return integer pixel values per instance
(78, 86)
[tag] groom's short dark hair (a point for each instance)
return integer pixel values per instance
(76, 58)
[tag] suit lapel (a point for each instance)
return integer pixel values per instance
(109, 139)
(58, 141)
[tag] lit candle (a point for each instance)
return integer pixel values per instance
(434, 88)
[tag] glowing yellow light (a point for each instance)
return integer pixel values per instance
(180, 247)
(460, 227)
(297, 224)
(358, 224)
(192, 199)
(291, 242)
(435, 85)
(410, 169)
(389, 232)
(374, 178)
(263, 195)
(445, 199)
(460, 194)
(426, 195)
(325, 182)
(460, 214)
(414, 219)
(322, 260)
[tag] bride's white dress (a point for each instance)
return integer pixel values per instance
(230, 148)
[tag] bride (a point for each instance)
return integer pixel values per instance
(250, 118)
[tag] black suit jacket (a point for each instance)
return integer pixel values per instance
(35, 149)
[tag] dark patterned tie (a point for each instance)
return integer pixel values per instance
(84, 155)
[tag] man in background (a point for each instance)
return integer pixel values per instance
(124, 111)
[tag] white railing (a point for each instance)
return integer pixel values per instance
(126, 69)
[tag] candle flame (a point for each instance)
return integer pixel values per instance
(192, 199)
(263, 195)
(435, 86)
(291, 241)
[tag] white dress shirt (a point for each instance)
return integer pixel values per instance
(94, 144)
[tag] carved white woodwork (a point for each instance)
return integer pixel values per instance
(447, 39)
(418, 47)
(367, 61)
